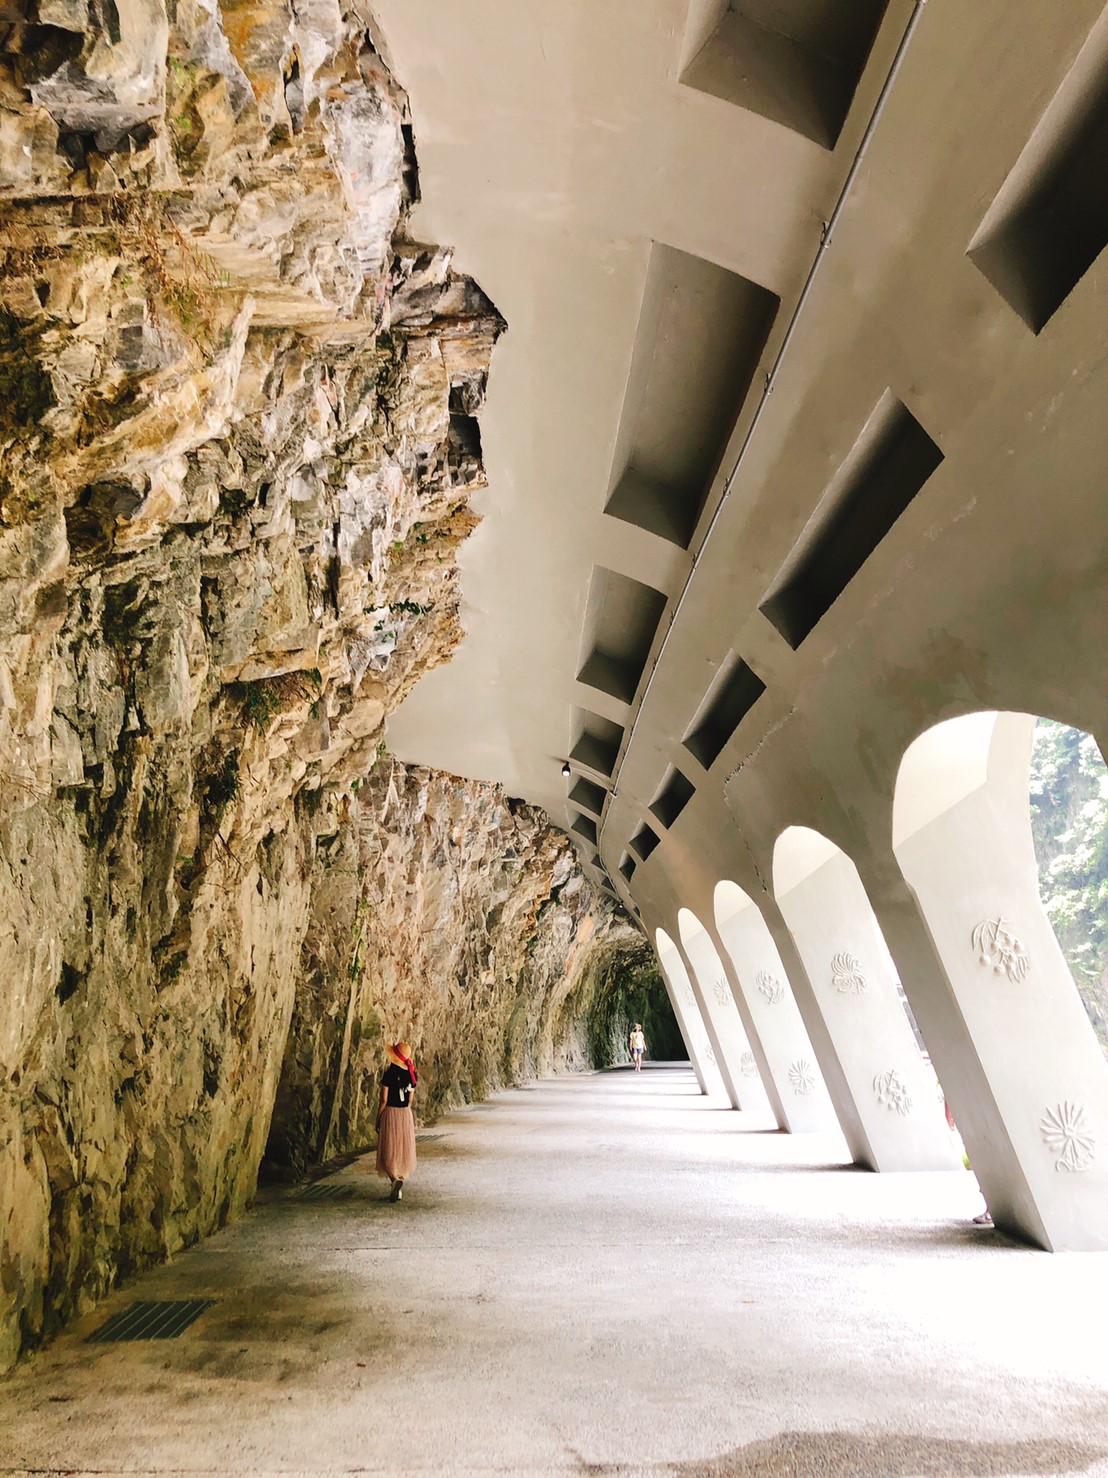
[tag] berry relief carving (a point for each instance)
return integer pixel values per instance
(802, 1077)
(1066, 1132)
(846, 974)
(770, 987)
(747, 1066)
(997, 945)
(892, 1091)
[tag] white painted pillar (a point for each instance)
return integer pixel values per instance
(1033, 1104)
(731, 1046)
(900, 1123)
(683, 1000)
(758, 976)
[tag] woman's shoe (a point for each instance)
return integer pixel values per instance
(397, 1191)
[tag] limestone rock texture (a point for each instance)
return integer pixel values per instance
(238, 439)
(448, 914)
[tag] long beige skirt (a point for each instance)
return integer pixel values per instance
(396, 1143)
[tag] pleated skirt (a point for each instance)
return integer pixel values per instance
(396, 1153)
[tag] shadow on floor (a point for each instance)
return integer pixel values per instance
(890, 1455)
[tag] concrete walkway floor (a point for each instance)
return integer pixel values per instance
(606, 1274)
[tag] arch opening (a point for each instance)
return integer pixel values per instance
(1043, 788)
(1000, 820)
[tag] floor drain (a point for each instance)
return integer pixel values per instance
(151, 1319)
(324, 1191)
(428, 1138)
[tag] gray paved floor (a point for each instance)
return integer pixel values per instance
(603, 1274)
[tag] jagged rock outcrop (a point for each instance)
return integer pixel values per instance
(446, 913)
(236, 420)
(238, 438)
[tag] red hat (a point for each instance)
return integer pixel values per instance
(400, 1053)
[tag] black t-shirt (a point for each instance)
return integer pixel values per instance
(399, 1084)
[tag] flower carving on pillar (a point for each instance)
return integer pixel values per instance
(802, 1077)
(747, 1066)
(687, 993)
(1066, 1132)
(709, 1054)
(846, 974)
(997, 945)
(723, 992)
(892, 1091)
(770, 987)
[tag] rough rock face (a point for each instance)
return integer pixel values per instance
(237, 439)
(448, 914)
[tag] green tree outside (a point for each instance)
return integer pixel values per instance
(1069, 823)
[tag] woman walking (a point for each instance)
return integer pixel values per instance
(637, 1043)
(396, 1152)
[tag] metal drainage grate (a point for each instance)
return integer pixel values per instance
(151, 1319)
(428, 1138)
(324, 1191)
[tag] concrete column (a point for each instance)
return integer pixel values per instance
(683, 1000)
(791, 1074)
(893, 1093)
(1030, 1087)
(737, 1062)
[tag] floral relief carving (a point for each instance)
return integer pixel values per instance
(723, 992)
(770, 987)
(709, 1055)
(802, 1077)
(1066, 1131)
(846, 974)
(997, 945)
(747, 1066)
(892, 1091)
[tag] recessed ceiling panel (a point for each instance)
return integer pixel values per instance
(700, 334)
(890, 462)
(588, 797)
(1049, 222)
(585, 827)
(674, 796)
(797, 62)
(736, 689)
(620, 621)
(597, 744)
(644, 841)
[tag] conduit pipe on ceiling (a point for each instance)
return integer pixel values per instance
(767, 389)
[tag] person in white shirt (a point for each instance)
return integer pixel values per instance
(637, 1043)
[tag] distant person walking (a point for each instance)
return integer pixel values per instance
(396, 1151)
(637, 1043)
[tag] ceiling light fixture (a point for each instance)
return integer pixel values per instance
(566, 770)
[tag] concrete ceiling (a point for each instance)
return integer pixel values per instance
(648, 243)
(556, 144)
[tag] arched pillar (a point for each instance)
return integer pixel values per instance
(893, 1115)
(737, 1062)
(685, 872)
(683, 1000)
(793, 1082)
(1025, 1076)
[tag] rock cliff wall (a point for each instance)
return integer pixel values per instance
(238, 438)
(446, 913)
